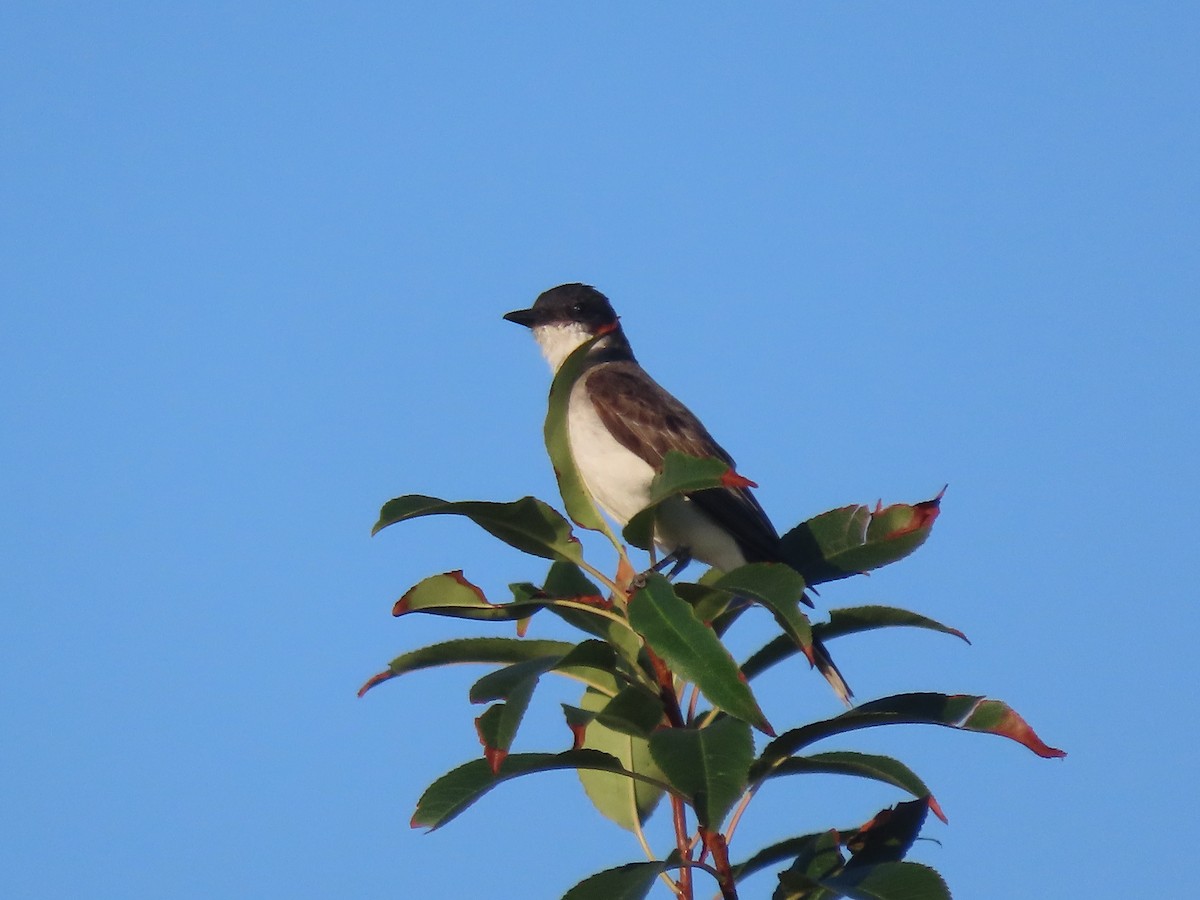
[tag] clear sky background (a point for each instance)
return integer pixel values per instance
(254, 262)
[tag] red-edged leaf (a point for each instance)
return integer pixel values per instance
(451, 594)
(969, 713)
(855, 539)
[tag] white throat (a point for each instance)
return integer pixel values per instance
(558, 341)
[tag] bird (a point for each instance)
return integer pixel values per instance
(621, 423)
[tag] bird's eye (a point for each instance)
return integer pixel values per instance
(578, 307)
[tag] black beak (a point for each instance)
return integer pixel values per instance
(526, 317)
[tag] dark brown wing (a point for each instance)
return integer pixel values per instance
(649, 421)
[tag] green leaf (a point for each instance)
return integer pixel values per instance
(841, 622)
(595, 664)
(889, 881)
(452, 595)
(628, 882)
(467, 650)
(710, 765)
(692, 650)
(862, 765)
(458, 789)
(779, 588)
(503, 684)
(960, 711)
(528, 524)
(855, 539)
(856, 619)
(618, 798)
(498, 725)
(680, 474)
(577, 500)
(708, 602)
(791, 848)
(633, 711)
(819, 858)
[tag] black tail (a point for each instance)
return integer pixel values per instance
(826, 666)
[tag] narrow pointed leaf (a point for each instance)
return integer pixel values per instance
(458, 789)
(498, 725)
(856, 619)
(680, 474)
(528, 524)
(692, 650)
(710, 765)
(452, 595)
(862, 765)
(632, 881)
(618, 798)
(855, 539)
(467, 650)
(969, 713)
(777, 587)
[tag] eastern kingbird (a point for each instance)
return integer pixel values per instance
(621, 423)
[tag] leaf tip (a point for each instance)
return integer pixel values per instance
(732, 479)
(374, 680)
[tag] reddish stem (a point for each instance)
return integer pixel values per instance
(715, 843)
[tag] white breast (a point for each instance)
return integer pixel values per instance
(617, 477)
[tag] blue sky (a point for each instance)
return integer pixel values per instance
(254, 262)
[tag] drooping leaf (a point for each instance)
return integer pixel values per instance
(969, 713)
(620, 799)
(528, 524)
(692, 650)
(710, 765)
(467, 650)
(889, 881)
(777, 587)
(680, 474)
(458, 789)
(628, 882)
(499, 723)
(852, 620)
(863, 765)
(856, 619)
(452, 595)
(504, 684)
(855, 539)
